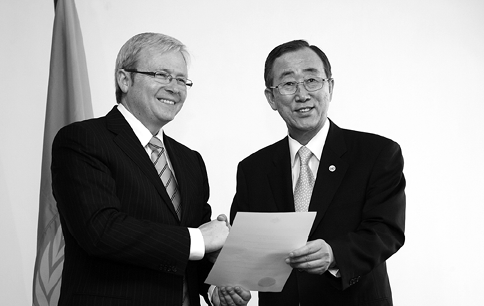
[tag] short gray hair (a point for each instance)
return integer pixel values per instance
(129, 52)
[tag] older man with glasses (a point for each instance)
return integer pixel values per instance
(133, 202)
(353, 180)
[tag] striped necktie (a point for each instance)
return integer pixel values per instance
(158, 158)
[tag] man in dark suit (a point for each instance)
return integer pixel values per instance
(353, 180)
(133, 201)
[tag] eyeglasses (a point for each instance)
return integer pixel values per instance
(164, 78)
(311, 84)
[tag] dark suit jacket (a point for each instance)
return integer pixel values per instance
(360, 213)
(124, 244)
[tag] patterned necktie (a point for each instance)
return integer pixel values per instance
(158, 158)
(305, 182)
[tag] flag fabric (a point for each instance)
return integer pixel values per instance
(68, 100)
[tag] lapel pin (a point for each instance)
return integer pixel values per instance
(332, 168)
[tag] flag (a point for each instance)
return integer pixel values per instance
(68, 100)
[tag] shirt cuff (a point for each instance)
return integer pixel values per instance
(211, 289)
(335, 272)
(197, 245)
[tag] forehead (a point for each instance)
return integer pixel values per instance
(153, 60)
(298, 62)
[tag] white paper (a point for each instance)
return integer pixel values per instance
(255, 251)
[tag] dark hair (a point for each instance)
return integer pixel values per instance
(292, 46)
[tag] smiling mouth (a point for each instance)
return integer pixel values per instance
(167, 101)
(304, 110)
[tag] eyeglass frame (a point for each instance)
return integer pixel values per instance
(188, 83)
(323, 80)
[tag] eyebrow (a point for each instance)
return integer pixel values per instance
(311, 70)
(171, 71)
(291, 72)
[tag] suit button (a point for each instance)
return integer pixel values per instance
(354, 280)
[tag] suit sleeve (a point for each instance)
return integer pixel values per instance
(239, 202)
(381, 230)
(84, 180)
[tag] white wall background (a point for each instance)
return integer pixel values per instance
(409, 70)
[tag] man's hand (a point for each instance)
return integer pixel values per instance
(224, 218)
(315, 257)
(214, 233)
(230, 296)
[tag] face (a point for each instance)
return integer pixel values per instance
(304, 112)
(154, 104)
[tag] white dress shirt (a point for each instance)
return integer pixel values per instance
(197, 244)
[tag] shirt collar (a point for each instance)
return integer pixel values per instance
(316, 144)
(143, 134)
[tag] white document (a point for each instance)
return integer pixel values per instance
(254, 253)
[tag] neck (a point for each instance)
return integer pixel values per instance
(303, 137)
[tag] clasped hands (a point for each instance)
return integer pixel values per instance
(214, 235)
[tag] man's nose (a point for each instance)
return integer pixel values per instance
(172, 86)
(302, 94)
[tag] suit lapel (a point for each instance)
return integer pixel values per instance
(128, 142)
(331, 172)
(280, 178)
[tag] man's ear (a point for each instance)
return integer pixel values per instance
(123, 78)
(331, 87)
(270, 98)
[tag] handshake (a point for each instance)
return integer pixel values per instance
(214, 235)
